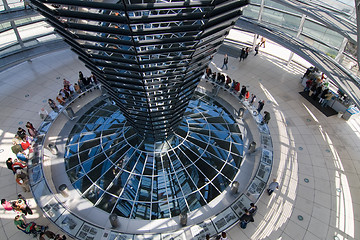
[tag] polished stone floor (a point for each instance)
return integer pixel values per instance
(315, 157)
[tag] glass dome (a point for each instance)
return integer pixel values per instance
(119, 172)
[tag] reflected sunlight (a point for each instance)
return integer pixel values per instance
(344, 206)
(268, 94)
(311, 114)
(281, 204)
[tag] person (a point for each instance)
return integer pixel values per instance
(247, 95)
(94, 79)
(53, 105)
(260, 106)
(312, 89)
(247, 50)
(207, 237)
(228, 81)
(71, 89)
(243, 92)
(60, 99)
(208, 72)
(266, 118)
(308, 71)
(22, 179)
(21, 133)
(9, 164)
(257, 49)
(317, 92)
(327, 98)
(31, 227)
(323, 94)
(66, 83)
(253, 209)
(262, 42)
(226, 60)
(31, 130)
(308, 85)
(223, 236)
(81, 76)
(21, 205)
(274, 185)
(252, 99)
(48, 234)
(237, 87)
(242, 54)
(6, 205)
(77, 88)
(17, 164)
(43, 113)
(245, 219)
(60, 237)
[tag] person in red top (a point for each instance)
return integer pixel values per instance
(247, 95)
(18, 165)
(25, 145)
(237, 87)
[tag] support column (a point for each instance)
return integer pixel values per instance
(13, 26)
(301, 25)
(259, 20)
(340, 55)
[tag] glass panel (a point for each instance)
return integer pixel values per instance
(195, 201)
(153, 180)
(321, 34)
(33, 30)
(251, 12)
(123, 208)
(7, 38)
(281, 19)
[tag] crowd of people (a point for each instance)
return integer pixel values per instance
(234, 86)
(22, 147)
(317, 87)
(69, 91)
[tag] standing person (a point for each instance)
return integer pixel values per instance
(247, 50)
(22, 179)
(257, 49)
(243, 92)
(260, 106)
(242, 54)
(308, 85)
(245, 219)
(327, 98)
(247, 95)
(237, 87)
(52, 104)
(226, 60)
(253, 209)
(252, 99)
(266, 118)
(43, 113)
(274, 185)
(81, 76)
(262, 42)
(31, 130)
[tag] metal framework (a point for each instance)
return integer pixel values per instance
(148, 54)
